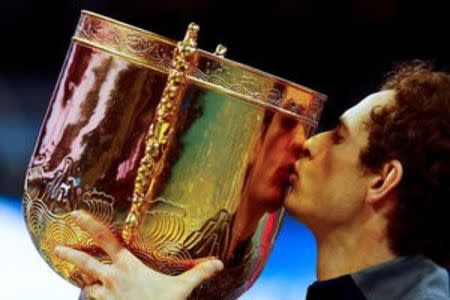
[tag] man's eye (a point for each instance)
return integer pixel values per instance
(337, 138)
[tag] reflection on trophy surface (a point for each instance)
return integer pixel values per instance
(267, 175)
(182, 153)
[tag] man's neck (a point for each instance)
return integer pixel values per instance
(348, 250)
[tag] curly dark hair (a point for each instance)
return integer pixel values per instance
(415, 130)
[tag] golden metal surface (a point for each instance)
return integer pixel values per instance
(127, 41)
(182, 153)
(154, 51)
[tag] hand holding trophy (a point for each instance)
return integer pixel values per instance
(127, 277)
(174, 153)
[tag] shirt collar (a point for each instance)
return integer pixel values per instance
(403, 278)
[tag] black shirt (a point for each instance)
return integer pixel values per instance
(403, 278)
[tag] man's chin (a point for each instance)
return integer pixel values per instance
(291, 203)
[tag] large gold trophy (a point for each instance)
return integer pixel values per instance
(182, 153)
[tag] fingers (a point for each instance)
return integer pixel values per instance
(95, 291)
(88, 280)
(202, 271)
(99, 232)
(86, 263)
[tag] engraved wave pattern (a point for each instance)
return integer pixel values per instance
(160, 246)
(172, 263)
(95, 30)
(163, 227)
(37, 215)
(150, 50)
(62, 231)
(50, 229)
(100, 205)
(165, 223)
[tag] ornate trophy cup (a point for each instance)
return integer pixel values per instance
(182, 153)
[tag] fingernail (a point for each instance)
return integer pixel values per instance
(215, 266)
(58, 250)
(76, 214)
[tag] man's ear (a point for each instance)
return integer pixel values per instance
(384, 182)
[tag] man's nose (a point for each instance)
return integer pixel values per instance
(310, 146)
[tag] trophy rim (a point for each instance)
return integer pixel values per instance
(129, 26)
(257, 71)
(204, 53)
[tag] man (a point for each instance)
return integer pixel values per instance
(374, 191)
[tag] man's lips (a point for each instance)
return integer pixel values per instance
(286, 178)
(284, 173)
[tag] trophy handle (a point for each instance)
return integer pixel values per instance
(160, 132)
(220, 51)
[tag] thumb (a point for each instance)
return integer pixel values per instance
(201, 272)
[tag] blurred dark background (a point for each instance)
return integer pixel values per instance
(341, 48)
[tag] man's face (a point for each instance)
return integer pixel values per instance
(277, 152)
(329, 187)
